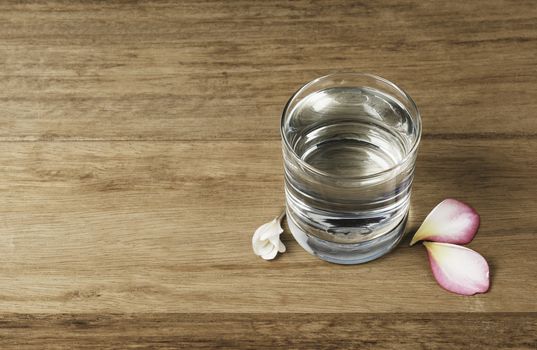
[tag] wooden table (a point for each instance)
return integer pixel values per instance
(140, 149)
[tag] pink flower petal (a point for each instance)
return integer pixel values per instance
(458, 269)
(451, 221)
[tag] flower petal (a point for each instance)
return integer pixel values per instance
(272, 229)
(458, 269)
(266, 241)
(271, 254)
(262, 230)
(451, 221)
(262, 247)
(275, 240)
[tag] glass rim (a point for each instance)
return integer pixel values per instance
(313, 169)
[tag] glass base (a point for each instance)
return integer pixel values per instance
(348, 254)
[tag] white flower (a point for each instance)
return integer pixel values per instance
(266, 240)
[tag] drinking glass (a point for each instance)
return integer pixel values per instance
(349, 145)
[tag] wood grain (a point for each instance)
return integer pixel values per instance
(269, 331)
(139, 149)
(166, 227)
(196, 70)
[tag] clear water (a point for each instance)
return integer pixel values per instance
(361, 131)
(351, 135)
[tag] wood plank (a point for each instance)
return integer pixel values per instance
(78, 70)
(166, 226)
(269, 331)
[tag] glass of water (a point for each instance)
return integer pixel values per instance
(349, 146)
